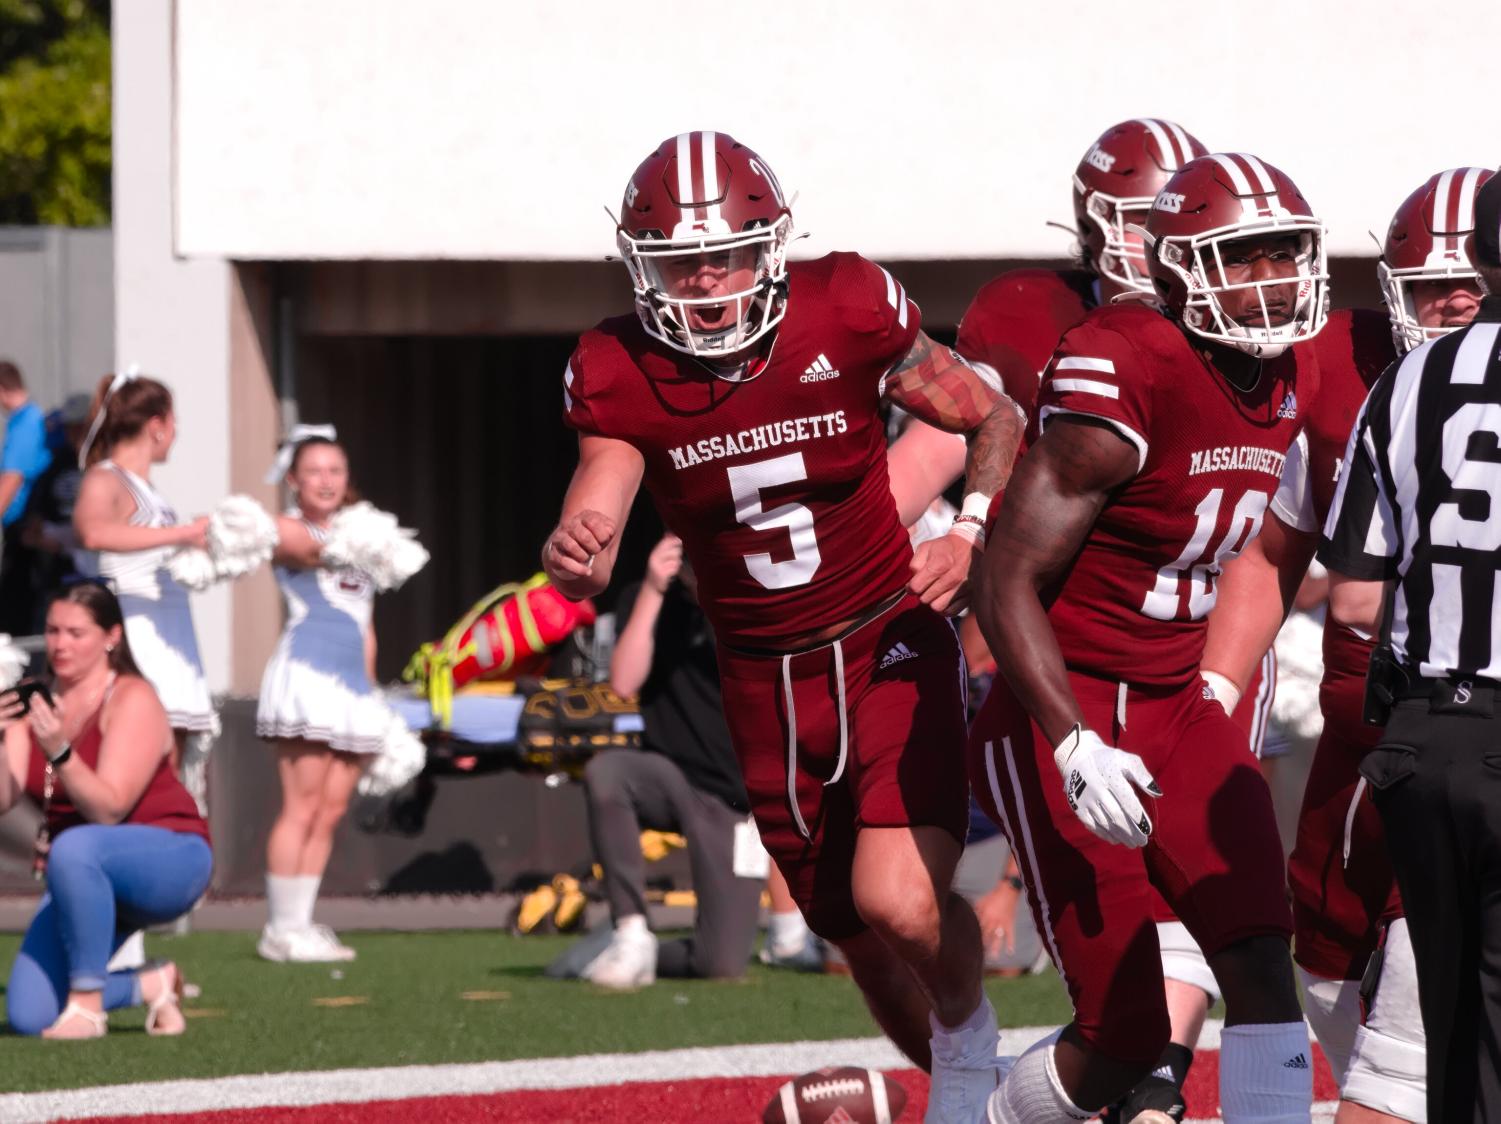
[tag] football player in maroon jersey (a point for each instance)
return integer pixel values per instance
(1159, 436)
(746, 393)
(1345, 900)
(1012, 327)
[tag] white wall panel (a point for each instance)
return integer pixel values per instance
(485, 129)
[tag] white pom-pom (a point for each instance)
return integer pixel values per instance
(362, 537)
(1300, 669)
(401, 759)
(13, 662)
(241, 537)
(193, 568)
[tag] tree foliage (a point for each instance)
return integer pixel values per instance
(55, 112)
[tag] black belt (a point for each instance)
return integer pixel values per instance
(1456, 694)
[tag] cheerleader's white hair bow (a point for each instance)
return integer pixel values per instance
(296, 436)
(130, 374)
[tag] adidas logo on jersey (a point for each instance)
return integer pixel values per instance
(1289, 407)
(820, 370)
(1299, 1062)
(897, 654)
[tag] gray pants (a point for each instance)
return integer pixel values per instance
(629, 790)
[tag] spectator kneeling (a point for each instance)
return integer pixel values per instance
(122, 844)
(685, 779)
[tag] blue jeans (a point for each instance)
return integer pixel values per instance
(103, 883)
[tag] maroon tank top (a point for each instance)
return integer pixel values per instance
(165, 803)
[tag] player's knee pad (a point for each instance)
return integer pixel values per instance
(1032, 1090)
(1183, 960)
(1332, 1008)
(1388, 1075)
(1388, 1064)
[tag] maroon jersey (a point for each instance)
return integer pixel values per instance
(1132, 606)
(165, 802)
(1015, 322)
(1353, 349)
(776, 484)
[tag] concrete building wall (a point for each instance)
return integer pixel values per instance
(172, 314)
(476, 129)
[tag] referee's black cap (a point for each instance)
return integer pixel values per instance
(1488, 223)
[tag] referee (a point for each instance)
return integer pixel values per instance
(1413, 544)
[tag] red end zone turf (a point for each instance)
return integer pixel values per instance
(664, 1102)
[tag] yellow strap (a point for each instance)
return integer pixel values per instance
(431, 666)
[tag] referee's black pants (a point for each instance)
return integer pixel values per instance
(1436, 778)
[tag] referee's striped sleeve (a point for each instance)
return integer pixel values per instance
(1360, 537)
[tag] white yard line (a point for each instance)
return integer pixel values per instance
(351, 1086)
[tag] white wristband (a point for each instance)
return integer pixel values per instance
(1226, 693)
(976, 505)
(970, 531)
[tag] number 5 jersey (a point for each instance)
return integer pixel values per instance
(776, 483)
(1132, 607)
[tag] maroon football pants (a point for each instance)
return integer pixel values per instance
(894, 759)
(1214, 854)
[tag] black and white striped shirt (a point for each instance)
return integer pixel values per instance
(1419, 500)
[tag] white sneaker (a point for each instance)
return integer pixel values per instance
(630, 961)
(319, 943)
(313, 945)
(274, 945)
(964, 1077)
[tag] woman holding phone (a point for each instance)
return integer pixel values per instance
(122, 844)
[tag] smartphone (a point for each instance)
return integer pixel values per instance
(26, 688)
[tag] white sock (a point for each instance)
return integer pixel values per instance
(975, 1035)
(281, 901)
(786, 933)
(1266, 1074)
(1032, 1093)
(306, 898)
(632, 924)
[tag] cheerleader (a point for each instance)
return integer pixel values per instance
(135, 531)
(318, 702)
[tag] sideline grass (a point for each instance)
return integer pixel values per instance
(402, 1003)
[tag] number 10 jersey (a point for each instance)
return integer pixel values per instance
(1132, 607)
(777, 483)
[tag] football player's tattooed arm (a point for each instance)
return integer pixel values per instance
(580, 553)
(934, 384)
(1256, 592)
(1057, 494)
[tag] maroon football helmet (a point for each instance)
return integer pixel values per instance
(704, 231)
(1220, 199)
(1426, 242)
(1114, 186)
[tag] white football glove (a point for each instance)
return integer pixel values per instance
(1097, 780)
(1224, 692)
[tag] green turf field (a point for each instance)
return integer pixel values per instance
(445, 997)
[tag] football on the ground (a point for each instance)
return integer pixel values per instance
(838, 1095)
